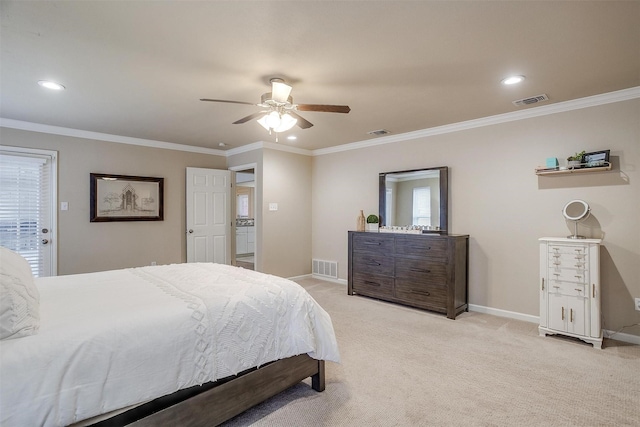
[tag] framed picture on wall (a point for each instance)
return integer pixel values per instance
(596, 159)
(126, 198)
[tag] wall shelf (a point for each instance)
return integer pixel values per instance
(582, 169)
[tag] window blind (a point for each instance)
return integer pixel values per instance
(422, 206)
(25, 207)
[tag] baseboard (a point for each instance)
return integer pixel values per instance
(504, 313)
(329, 279)
(619, 336)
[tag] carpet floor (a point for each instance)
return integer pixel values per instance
(408, 367)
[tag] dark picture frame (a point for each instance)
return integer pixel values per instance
(126, 198)
(596, 159)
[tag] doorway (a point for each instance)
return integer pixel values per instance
(245, 217)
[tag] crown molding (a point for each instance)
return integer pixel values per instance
(560, 107)
(270, 145)
(58, 130)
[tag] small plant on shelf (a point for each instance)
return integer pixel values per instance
(576, 159)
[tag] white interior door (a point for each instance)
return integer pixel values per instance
(208, 215)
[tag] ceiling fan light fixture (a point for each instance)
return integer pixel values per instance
(276, 122)
(280, 91)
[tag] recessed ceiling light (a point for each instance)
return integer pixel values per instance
(512, 80)
(50, 85)
(292, 137)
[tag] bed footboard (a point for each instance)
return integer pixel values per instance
(230, 398)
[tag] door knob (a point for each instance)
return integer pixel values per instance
(190, 231)
(45, 230)
(45, 241)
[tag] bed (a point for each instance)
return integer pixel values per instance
(188, 344)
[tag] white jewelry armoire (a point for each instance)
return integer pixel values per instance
(570, 288)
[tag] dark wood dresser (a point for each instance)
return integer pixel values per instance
(428, 271)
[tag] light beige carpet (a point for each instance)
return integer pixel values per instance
(406, 367)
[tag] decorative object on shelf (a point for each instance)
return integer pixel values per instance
(576, 211)
(360, 222)
(575, 161)
(596, 159)
(372, 223)
(552, 163)
(125, 198)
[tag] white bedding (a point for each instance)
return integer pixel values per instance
(112, 339)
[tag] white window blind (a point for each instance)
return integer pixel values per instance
(25, 207)
(422, 206)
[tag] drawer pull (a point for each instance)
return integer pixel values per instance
(594, 289)
(372, 243)
(579, 277)
(571, 315)
(368, 282)
(562, 313)
(578, 289)
(377, 264)
(557, 287)
(543, 283)
(425, 293)
(418, 270)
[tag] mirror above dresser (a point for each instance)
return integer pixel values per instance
(417, 198)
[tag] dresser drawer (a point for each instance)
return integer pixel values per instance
(373, 263)
(373, 242)
(420, 270)
(417, 294)
(434, 248)
(573, 260)
(373, 285)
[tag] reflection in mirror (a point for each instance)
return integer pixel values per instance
(415, 198)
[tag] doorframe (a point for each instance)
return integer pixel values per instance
(53, 194)
(257, 214)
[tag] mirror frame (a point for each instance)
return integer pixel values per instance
(444, 196)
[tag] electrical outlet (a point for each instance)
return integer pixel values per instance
(638, 304)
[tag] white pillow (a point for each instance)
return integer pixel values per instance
(19, 297)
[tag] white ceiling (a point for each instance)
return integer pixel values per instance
(138, 68)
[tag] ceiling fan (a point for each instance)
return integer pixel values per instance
(278, 112)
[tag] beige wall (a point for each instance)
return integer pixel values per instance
(84, 246)
(286, 233)
(497, 199)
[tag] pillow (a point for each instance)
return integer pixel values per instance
(19, 297)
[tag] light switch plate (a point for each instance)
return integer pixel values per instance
(64, 206)
(273, 206)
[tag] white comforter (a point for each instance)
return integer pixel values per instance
(112, 339)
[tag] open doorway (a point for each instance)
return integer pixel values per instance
(245, 221)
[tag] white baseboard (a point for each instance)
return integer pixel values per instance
(329, 279)
(504, 313)
(619, 336)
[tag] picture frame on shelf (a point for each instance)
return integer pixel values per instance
(596, 159)
(125, 198)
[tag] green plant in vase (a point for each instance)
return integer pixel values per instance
(372, 222)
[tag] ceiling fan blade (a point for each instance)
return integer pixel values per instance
(229, 102)
(280, 91)
(323, 108)
(302, 122)
(249, 117)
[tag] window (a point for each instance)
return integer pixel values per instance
(27, 202)
(243, 206)
(422, 206)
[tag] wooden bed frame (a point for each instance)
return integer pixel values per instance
(214, 403)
